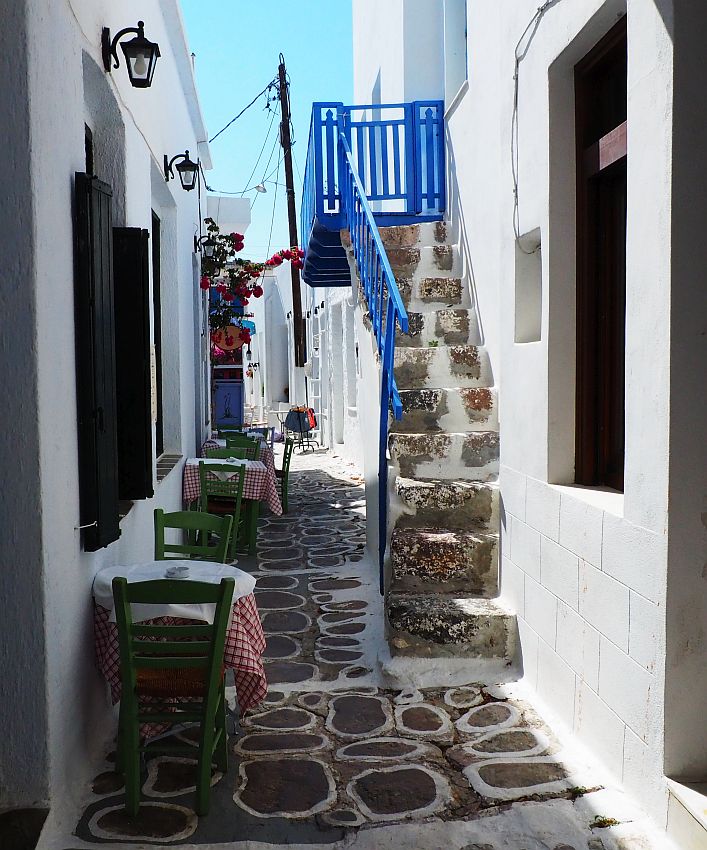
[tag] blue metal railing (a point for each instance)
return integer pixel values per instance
(397, 150)
(384, 305)
(372, 166)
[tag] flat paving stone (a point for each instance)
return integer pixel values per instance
(329, 641)
(278, 622)
(154, 821)
(390, 793)
(335, 584)
(278, 599)
(289, 672)
(281, 646)
(276, 582)
(338, 656)
(346, 629)
(284, 742)
(359, 716)
(285, 787)
(283, 718)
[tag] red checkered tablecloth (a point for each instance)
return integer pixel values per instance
(260, 483)
(245, 643)
(266, 452)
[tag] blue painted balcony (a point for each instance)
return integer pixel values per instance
(396, 152)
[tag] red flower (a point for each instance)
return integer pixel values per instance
(205, 282)
(298, 264)
(276, 260)
(229, 340)
(286, 255)
(216, 337)
(300, 253)
(228, 296)
(257, 291)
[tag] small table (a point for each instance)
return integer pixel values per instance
(260, 482)
(245, 641)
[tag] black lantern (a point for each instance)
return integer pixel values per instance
(186, 169)
(208, 246)
(140, 54)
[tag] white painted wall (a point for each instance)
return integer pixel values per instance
(49, 663)
(586, 570)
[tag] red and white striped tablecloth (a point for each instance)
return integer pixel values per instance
(245, 643)
(260, 483)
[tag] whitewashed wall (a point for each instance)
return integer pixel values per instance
(48, 656)
(586, 570)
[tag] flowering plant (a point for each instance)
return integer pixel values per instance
(235, 279)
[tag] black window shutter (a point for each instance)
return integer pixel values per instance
(131, 293)
(95, 363)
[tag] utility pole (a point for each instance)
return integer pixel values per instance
(285, 141)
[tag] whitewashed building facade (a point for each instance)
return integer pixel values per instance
(63, 115)
(603, 551)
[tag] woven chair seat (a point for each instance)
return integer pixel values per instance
(220, 506)
(165, 684)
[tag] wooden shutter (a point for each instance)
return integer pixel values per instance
(95, 363)
(131, 294)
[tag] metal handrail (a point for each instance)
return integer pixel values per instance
(386, 309)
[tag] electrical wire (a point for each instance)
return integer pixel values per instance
(518, 55)
(265, 141)
(245, 108)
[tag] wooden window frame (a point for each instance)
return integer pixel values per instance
(599, 162)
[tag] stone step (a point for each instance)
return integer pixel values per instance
(469, 457)
(439, 626)
(424, 260)
(435, 560)
(432, 411)
(411, 235)
(442, 366)
(453, 326)
(423, 293)
(446, 504)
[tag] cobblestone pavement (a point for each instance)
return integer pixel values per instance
(333, 758)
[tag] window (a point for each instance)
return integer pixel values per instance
(600, 89)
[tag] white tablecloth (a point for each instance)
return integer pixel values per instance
(205, 571)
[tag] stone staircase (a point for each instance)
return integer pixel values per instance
(443, 500)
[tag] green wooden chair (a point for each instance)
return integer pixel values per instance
(199, 531)
(236, 451)
(283, 475)
(252, 446)
(224, 498)
(229, 429)
(161, 663)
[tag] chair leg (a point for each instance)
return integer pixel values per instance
(284, 495)
(253, 526)
(120, 741)
(131, 763)
(221, 754)
(203, 778)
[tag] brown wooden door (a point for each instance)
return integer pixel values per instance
(601, 261)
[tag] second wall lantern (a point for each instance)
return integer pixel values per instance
(187, 170)
(140, 54)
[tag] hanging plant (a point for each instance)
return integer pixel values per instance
(237, 281)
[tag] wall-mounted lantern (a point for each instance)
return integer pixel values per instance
(187, 170)
(206, 244)
(141, 55)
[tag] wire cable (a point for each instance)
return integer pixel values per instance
(245, 108)
(257, 161)
(518, 55)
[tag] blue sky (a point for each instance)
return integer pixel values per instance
(237, 44)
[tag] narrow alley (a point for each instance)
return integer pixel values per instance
(335, 758)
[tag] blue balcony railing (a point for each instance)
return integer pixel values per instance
(369, 167)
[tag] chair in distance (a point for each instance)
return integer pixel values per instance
(221, 488)
(207, 536)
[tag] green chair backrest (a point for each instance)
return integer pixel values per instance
(251, 445)
(145, 646)
(197, 528)
(236, 452)
(229, 429)
(287, 455)
(231, 488)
